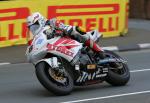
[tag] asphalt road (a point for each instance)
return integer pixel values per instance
(18, 84)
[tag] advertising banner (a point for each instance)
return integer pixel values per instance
(107, 16)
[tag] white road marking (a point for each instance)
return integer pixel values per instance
(145, 45)
(140, 70)
(131, 71)
(112, 96)
(112, 48)
(4, 63)
(106, 97)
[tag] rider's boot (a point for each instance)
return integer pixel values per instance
(96, 48)
(99, 52)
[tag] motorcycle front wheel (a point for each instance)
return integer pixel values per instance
(52, 80)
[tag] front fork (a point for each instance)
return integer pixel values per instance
(52, 62)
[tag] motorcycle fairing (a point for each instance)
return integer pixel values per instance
(86, 75)
(64, 47)
(60, 46)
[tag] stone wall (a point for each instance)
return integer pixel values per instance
(140, 9)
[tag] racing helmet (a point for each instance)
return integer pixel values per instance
(35, 22)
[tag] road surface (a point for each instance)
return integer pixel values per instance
(18, 84)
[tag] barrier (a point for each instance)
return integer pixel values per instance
(108, 16)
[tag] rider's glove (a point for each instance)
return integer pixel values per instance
(49, 33)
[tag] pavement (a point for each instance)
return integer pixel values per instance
(18, 84)
(137, 38)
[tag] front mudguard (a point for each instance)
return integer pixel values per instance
(52, 62)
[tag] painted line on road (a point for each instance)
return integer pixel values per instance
(107, 97)
(6, 63)
(119, 95)
(140, 70)
(131, 71)
(112, 48)
(128, 48)
(144, 45)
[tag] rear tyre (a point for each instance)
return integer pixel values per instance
(43, 74)
(117, 76)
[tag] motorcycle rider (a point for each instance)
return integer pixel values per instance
(36, 21)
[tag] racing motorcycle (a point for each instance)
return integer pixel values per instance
(62, 63)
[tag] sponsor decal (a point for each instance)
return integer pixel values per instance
(89, 23)
(60, 49)
(85, 76)
(114, 10)
(39, 41)
(109, 18)
(20, 13)
(91, 66)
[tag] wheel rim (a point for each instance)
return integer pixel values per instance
(57, 78)
(120, 69)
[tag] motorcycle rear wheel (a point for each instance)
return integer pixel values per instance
(118, 77)
(43, 75)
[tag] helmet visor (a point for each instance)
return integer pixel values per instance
(34, 28)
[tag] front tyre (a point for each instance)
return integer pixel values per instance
(117, 76)
(57, 84)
